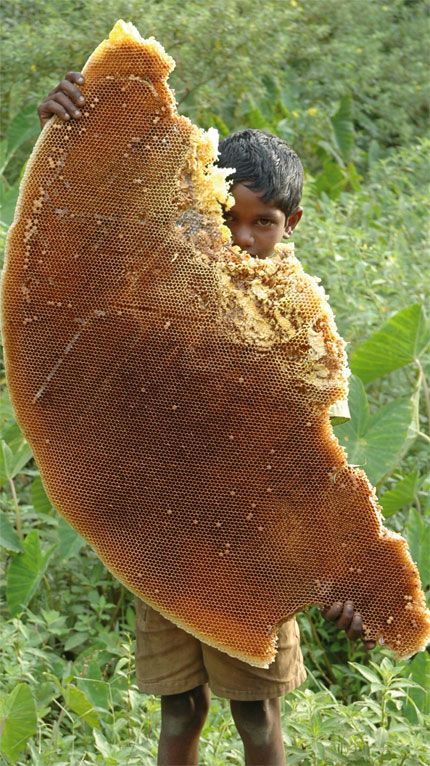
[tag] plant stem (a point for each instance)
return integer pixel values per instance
(221, 734)
(315, 661)
(317, 640)
(117, 610)
(423, 436)
(17, 508)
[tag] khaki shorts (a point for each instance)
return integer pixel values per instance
(171, 661)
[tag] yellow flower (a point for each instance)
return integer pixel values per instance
(312, 111)
(293, 3)
(33, 68)
(295, 114)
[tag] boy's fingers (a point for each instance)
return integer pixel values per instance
(355, 630)
(52, 107)
(334, 611)
(68, 105)
(71, 91)
(75, 77)
(345, 617)
(344, 620)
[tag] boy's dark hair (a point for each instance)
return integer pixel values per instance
(266, 164)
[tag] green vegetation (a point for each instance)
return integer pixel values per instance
(345, 84)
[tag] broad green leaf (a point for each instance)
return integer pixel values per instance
(8, 198)
(69, 541)
(13, 461)
(374, 152)
(75, 640)
(418, 536)
(18, 721)
(8, 537)
(403, 493)
(97, 691)
(419, 669)
(13, 436)
(25, 572)
(7, 415)
(366, 672)
(331, 180)
(102, 744)
(254, 118)
(39, 498)
(77, 701)
(332, 150)
(399, 341)
(23, 127)
(343, 127)
(3, 153)
(375, 441)
(6, 462)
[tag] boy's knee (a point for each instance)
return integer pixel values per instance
(185, 712)
(256, 720)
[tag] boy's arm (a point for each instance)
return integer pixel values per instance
(345, 617)
(65, 100)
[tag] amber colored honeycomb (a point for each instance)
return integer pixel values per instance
(176, 391)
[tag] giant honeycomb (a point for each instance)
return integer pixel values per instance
(176, 391)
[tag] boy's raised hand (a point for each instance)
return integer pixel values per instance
(66, 100)
(345, 617)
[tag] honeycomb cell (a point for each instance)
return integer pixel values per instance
(175, 391)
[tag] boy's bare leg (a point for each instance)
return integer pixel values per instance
(182, 719)
(259, 725)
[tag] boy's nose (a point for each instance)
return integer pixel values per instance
(243, 237)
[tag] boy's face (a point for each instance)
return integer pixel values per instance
(257, 226)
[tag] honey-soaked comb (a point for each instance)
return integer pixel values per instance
(176, 391)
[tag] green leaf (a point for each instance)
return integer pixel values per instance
(97, 691)
(39, 498)
(399, 341)
(419, 669)
(331, 180)
(8, 198)
(8, 537)
(77, 701)
(102, 744)
(13, 461)
(75, 640)
(403, 493)
(22, 128)
(364, 671)
(343, 127)
(253, 118)
(18, 721)
(69, 541)
(418, 537)
(375, 441)
(25, 572)
(7, 415)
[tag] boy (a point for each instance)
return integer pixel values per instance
(267, 186)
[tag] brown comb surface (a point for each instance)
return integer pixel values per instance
(176, 391)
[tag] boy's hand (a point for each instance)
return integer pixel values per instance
(345, 617)
(65, 100)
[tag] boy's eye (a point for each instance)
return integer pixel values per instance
(265, 221)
